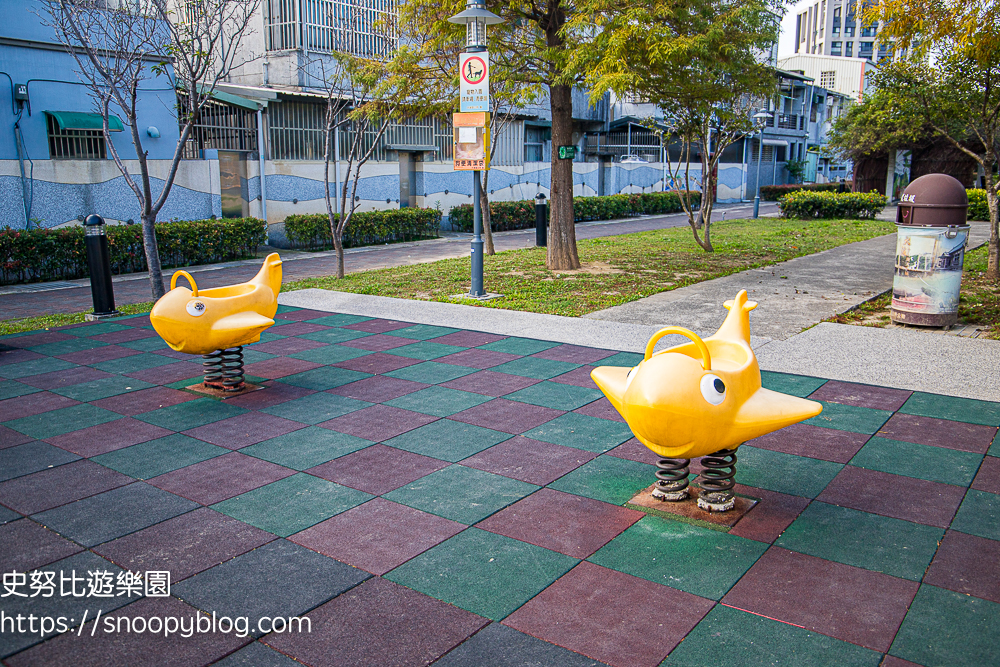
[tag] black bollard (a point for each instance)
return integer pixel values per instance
(99, 263)
(541, 233)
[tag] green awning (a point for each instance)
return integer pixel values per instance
(77, 120)
(235, 100)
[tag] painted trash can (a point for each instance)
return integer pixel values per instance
(932, 233)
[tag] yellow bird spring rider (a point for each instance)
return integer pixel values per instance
(700, 399)
(218, 322)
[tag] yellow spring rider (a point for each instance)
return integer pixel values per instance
(218, 322)
(700, 399)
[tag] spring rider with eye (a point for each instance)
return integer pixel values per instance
(218, 322)
(700, 399)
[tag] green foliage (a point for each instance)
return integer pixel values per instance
(776, 192)
(59, 254)
(808, 205)
(364, 228)
(796, 169)
(882, 121)
(978, 208)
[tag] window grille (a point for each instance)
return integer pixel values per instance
(828, 79)
(360, 27)
(220, 126)
(296, 130)
(75, 144)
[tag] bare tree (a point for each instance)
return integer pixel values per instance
(120, 44)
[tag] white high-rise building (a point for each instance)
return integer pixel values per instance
(835, 28)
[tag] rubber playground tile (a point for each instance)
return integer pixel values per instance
(906, 498)
(430, 372)
(148, 344)
(28, 339)
(938, 433)
(478, 358)
(578, 377)
(156, 457)
(769, 519)
(377, 536)
(438, 401)
(490, 383)
(220, 478)
(103, 388)
(98, 354)
(497, 645)
(575, 354)
(377, 325)
(378, 389)
(293, 314)
(529, 460)
(11, 355)
(448, 440)
(556, 396)
(256, 654)
(583, 432)
(377, 469)
(624, 359)
(602, 409)
(826, 597)
(63, 484)
(377, 343)
(124, 335)
(379, 623)
(966, 410)
(323, 378)
(461, 494)
(31, 457)
(375, 362)
(294, 328)
(144, 400)
(64, 377)
(277, 579)
(306, 448)
(592, 610)
(327, 354)
(487, 574)
(338, 320)
(608, 479)
(280, 367)
(89, 329)
(7, 515)
(934, 464)
(191, 414)
(784, 473)
(518, 346)
(291, 504)
(276, 394)
(533, 367)
(735, 638)
(967, 564)
(33, 404)
(988, 477)
(861, 395)
(14, 389)
(139, 362)
(114, 513)
(170, 374)
(633, 450)
(378, 423)
(185, 545)
(11, 438)
(26, 546)
(852, 537)
(796, 385)
(425, 350)
(421, 332)
(508, 416)
(288, 346)
(246, 429)
(313, 409)
(815, 442)
(850, 418)
(108, 437)
(994, 449)
(334, 335)
(948, 628)
(979, 515)
(66, 346)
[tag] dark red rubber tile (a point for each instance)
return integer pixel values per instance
(633, 450)
(967, 564)
(40, 338)
(279, 367)
(144, 400)
(57, 486)
(242, 430)
(770, 517)
(33, 404)
(378, 469)
(99, 354)
(377, 536)
(490, 383)
(529, 460)
(842, 601)
(220, 478)
(288, 345)
(469, 338)
(813, 441)
(377, 326)
(861, 395)
(137, 322)
(917, 500)
(893, 661)
(378, 342)
(296, 328)
(275, 393)
(11, 438)
(601, 408)
(476, 358)
(377, 363)
(578, 377)
(16, 355)
(938, 433)
(378, 389)
(108, 437)
(300, 315)
(185, 545)
(181, 370)
(26, 546)
(379, 623)
(125, 336)
(506, 416)
(378, 422)
(572, 525)
(574, 354)
(988, 477)
(611, 616)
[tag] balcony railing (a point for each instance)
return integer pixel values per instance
(360, 27)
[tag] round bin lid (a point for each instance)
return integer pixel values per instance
(935, 190)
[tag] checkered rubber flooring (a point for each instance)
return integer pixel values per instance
(426, 494)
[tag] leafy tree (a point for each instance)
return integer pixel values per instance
(876, 124)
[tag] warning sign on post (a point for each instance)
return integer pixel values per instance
(472, 141)
(474, 81)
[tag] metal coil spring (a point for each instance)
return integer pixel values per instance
(223, 369)
(720, 469)
(672, 476)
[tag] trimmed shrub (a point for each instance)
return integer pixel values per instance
(978, 210)
(776, 192)
(59, 254)
(808, 205)
(365, 228)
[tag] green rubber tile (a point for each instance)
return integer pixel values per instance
(935, 464)
(13, 389)
(421, 332)
(850, 418)
(693, 559)
(448, 440)
(137, 362)
(321, 379)
(190, 414)
(461, 494)
(156, 457)
(796, 385)
(330, 354)
(103, 388)
(292, 504)
(878, 543)
(592, 434)
(67, 346)
(25, 369)
(784, 473)
(995, 447)
(438, 401)
(267, 337)
(286, 309)
(947, 628)
(316, 408)
(734, 638)
(338, 320)
(251, 356)
(59, 422)
(624, 359)
(425, 350)
(966, 410)
(97, 329)
(431, 372)
(147, 344)
(306, 448)
(607, 478)
(487, 574)
(199, 378)
(335, 335)
(978, 515)
(521, 346)
(533, 367)
(556, 395)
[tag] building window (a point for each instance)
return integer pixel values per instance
(220, 126)
(836, 21)
(296, 130)
(869, 31)
(534, 140)
(75, 144)
(828, 79)
(849, 52)
(360, 27)
(836, 49)
(865, 49)
(849, 31)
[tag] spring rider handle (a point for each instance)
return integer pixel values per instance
(178, 274)
(706, 357)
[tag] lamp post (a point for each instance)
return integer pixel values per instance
(476, 17)
(760, 119)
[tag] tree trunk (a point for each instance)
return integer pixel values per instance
(993, 265)
(338, 244)
(707, 202)
(484, 202)
(152, 256)
(562, 253)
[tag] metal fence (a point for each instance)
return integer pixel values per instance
(640, 142)
(361, 27)
(220, 126)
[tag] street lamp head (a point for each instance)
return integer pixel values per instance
(761, 117)
(476, 17)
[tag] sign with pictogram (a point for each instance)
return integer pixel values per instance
(471, 149)
(474, 81)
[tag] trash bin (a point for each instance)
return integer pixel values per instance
(930, 248)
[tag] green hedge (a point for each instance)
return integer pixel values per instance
(978, 210)
(776, 192)
(808, 205)
(364, 228)
(505, 216)
(59, 254)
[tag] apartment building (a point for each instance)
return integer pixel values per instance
(835, 28)
(847, 76)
